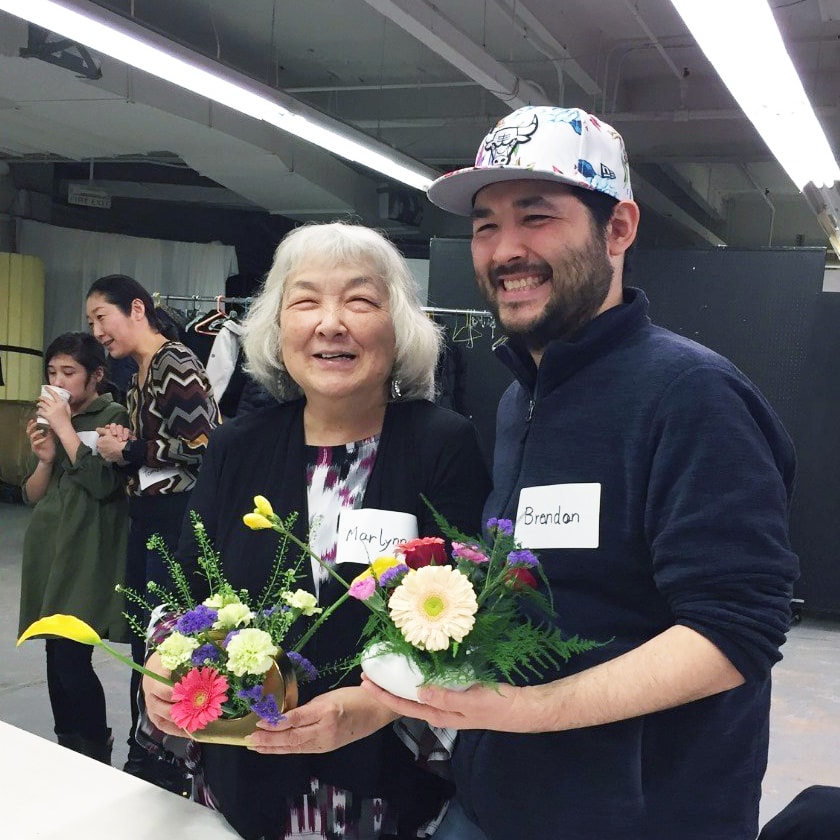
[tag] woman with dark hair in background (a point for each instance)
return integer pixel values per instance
(74, 547)
(172, 412)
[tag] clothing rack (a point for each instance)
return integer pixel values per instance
(157, 297)
(476, 319)
(478, 313)
(431, 310)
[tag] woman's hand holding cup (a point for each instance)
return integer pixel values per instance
(53, 405)
(41, 441)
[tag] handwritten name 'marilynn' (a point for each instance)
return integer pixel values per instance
(549, 517)
(381, 541)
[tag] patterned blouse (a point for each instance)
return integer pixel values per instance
(172, 415)
(336, 478)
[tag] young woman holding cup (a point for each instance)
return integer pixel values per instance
(74, 546)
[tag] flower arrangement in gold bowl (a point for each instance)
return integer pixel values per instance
(471, 613)
(226, 653)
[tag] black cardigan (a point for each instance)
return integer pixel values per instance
(422, 449)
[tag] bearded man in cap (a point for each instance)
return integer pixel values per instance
(653, 479)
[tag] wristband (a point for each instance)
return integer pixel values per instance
(134, 452)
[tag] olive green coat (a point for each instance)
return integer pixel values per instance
(75, 545)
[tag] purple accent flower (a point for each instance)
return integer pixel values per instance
(254, 693)
(196, 620)
(229, 636)
(301, 663)
(267, 710)
(206, 654)
(391, 576)
(468, 552)
(523, 558)
(270, 611)
(503, 526)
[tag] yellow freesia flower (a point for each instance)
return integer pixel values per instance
(263, 506)
(67, 626)
(256, 521)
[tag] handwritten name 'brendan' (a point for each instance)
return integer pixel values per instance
(552, 517)
(380, 540)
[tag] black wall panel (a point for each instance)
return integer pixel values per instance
(763, 309)
(451, 286)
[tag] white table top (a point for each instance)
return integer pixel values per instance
(51, 793)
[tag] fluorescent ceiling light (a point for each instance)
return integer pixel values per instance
(121, 39)
(742, 41)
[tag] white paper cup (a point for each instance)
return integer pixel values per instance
(61, 393)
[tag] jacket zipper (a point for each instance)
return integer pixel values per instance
(532, 400)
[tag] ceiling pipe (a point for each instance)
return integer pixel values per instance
(653, 39)
(657, 44)
(532, 29)
(765, 195)
(375, 88)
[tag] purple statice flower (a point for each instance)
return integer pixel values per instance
(267, 710)
(204, 654)
(503, 526)
(229, 636)
(269, 612)
(302, 664)
(523, 558)
(254, 693)
(390, 576)
(196, 620)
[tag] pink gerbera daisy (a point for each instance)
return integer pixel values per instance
(199, 696)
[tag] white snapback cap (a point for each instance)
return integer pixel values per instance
(541, 143)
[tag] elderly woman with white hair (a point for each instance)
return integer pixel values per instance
(338, 334)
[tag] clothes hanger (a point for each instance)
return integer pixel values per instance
(211, 324)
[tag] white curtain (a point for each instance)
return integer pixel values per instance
(73, 259)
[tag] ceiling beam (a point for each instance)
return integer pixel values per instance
(432, 29)
(655, 200)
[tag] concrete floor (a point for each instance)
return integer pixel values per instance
(805, 722)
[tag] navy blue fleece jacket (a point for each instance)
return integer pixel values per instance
(696, 473)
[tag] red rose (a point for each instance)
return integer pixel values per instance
(518, 578)
(425, 551)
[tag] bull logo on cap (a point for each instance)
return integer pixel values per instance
(502, 141)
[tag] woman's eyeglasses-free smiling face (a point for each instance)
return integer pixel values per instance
(337, 335)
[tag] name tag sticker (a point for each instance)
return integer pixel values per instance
(364, 535)
(152, 475)
(559, 516)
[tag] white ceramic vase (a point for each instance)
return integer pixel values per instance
(399, 675)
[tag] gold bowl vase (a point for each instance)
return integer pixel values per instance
(280, 681)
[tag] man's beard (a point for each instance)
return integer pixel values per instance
(580, 280)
